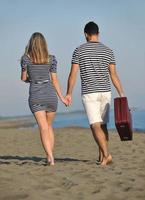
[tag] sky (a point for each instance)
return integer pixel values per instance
(122, 28)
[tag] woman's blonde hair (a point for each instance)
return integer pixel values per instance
(37, 49)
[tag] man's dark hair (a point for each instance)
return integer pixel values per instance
(91, 28)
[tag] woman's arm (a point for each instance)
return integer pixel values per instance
(57, 87)
(24, 64)
(23, 75)
(115, 80)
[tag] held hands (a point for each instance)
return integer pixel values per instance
(63, 99)
(68, 97)
(67, 100)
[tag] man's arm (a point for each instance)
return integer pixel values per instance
(115, 80)
(71, 82)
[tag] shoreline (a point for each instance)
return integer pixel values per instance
(61, 121)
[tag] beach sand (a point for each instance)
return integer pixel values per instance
(75, 176)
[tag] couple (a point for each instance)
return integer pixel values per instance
(96, 64)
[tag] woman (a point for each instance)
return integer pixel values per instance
(39, 68)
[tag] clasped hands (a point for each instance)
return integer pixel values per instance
(67, 100)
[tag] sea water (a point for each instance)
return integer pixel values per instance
(79, 119)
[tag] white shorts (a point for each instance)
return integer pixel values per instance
(97, 106)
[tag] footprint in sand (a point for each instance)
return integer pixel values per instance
(126, 189)
(68, 183)
(118, 173)
(43, 187)
(96, 191)
(119, 183)
(15, 197)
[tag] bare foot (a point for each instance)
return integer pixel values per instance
(50, 161)
(106, 160)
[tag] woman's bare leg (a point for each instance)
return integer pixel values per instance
(50, 117)
(41, 119)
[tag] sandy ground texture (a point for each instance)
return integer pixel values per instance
(75, 176)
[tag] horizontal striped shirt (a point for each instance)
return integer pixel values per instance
(94, 59)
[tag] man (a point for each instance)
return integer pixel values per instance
(97, 65)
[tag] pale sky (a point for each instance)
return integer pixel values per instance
(122, 28)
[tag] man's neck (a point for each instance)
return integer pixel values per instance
(93, 38)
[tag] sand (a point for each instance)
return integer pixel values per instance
(75, 176)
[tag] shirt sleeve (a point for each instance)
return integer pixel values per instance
(112, 58)
(53, 67)
(75, 56)
(24, 63)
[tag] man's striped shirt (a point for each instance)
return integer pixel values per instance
(94, 59)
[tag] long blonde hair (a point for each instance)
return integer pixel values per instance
(37, 49)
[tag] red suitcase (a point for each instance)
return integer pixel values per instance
(123, 118)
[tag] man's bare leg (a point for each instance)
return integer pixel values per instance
(105, 130)
(100, 139)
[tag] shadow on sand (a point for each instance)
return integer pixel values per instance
(20, 160)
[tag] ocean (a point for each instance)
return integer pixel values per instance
(80, 119)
